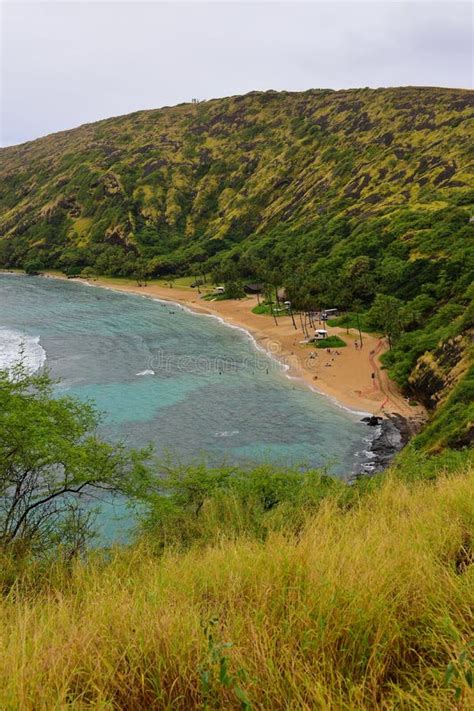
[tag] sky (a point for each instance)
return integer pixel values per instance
(64, 63)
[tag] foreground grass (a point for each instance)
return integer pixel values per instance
(362, 608)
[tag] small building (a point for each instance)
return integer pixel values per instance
(320, 334)
(219, 290)
(329, 313)
(253, 288)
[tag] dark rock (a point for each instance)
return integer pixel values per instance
(435, 373)
(154, 165)
(372, 420)
(373, 199)
(145, 149)
(445, 174)
(355, 187)
(395, 432)
(386, 139)
(361, 123)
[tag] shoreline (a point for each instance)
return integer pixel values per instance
(351, 378)
(344, 375)
(394, 421)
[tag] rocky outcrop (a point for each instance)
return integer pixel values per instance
(437, 371)
(392, 433)
(111, 184)
(65, 203)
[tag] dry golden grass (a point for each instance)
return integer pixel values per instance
(363, 610)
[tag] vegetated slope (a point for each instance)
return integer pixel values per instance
(339, 196)
(351, 604)
(186, 182)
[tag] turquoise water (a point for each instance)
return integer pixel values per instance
(186, 382)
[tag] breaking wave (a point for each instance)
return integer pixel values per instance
(18, 347)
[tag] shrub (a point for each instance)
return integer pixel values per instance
(33, 267)
(330, 342)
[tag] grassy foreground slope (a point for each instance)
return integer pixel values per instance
(363, 606)
(269, 588)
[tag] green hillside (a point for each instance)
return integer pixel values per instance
(344, 197)
(253, 172)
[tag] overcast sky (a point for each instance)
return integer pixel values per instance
(66, 63)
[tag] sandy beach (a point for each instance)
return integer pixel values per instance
(351, 376)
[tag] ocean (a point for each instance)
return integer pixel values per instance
(191, 385)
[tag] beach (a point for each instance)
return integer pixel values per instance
(351, 376)
(188, 382)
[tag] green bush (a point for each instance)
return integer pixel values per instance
(33, 266)
(330, 342)
(353, 320)
(262, 309)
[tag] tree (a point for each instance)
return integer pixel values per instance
(273, 278)
(387, 313)
(88, 273)
(141, 272)
(357, 307)
(51, 463)
(234, 290)
(33, 266)
(72, 260)
(358, 278)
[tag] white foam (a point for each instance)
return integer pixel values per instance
(366, 454)
(226, 433)
(18, 347)
(146, 372)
